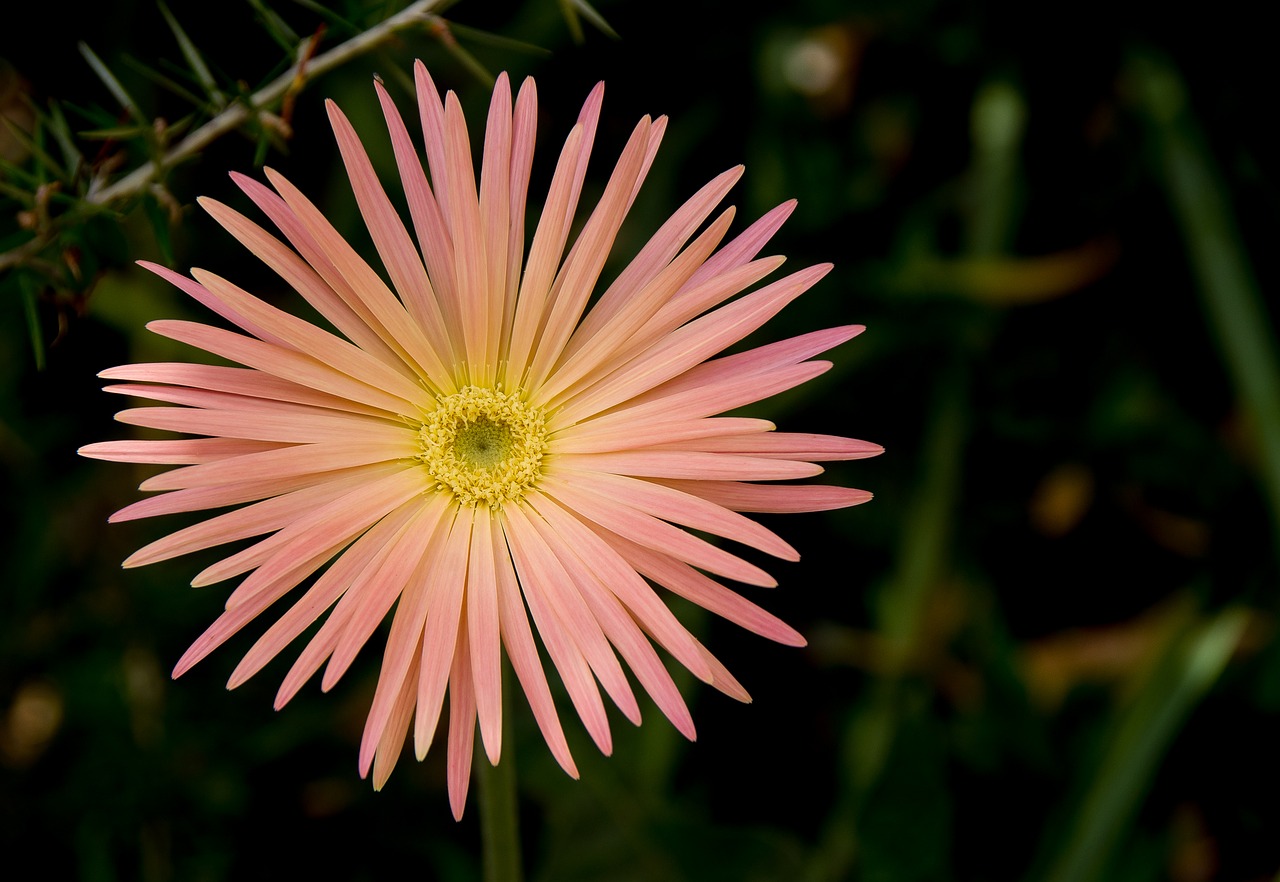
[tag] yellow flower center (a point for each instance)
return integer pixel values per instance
(483, 445)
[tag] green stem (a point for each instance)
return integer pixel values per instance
(1232, 299)
(499, 821)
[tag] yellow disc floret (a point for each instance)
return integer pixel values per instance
(484, 445)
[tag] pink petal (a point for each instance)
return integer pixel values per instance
(544, 258)
(577, 278)
(525, 661)
(470, 260)
(390, 581)
(186, 450)
(444, 609)
(621, 631)
(317, 460)
(462, 727)
(202, 295)
(777, 498)
(200, 498)
(391, 745)
(318, 527)
(691, 344)
(743, 248)
(428, 224)
(524, 130)
(686, 510)
(608, 434)
(238, 381)
(596, 547)
(252, 520)
(345, 581)
(296, 367)
(495, 212)
(647, 463)
(737, 379)
(484, 634)
(390, 238)
(326, 590)
(613, 514)
(404, 643)
(295, 271)
(784, 445)
(284, 424)
(695, 587)
(565, 655)
(611, 343)
(368, 288)
(545, 563)
(655, 255)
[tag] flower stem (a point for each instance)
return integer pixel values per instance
(499, 821)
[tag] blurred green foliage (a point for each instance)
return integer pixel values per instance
(1044, 652)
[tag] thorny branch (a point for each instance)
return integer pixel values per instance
(306, 68)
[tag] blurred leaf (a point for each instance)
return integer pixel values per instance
(497, 41)
(164, 82)
(15, 172)
(443, 32)
(113, 85)
(344, 26)
(194, 60)
(571, 9)
(1055, 664)
(57, 124)
(43, 160)
(1008, 281)
(905, 830)
(23, 197)
(30, 288)
(1230, 293)
(117, 133)
(1191, 662)
(158, 215)
(275, 26)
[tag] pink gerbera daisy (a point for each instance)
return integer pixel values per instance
(483, 442)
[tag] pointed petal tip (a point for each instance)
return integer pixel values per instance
(186, 663)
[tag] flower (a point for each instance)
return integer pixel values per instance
(481, 443)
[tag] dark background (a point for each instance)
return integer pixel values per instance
(1044, 651)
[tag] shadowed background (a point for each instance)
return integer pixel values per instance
(1043, 652)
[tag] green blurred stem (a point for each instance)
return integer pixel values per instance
(499, 819)
(922, 556)
(1230, 292)
(1192, 661)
